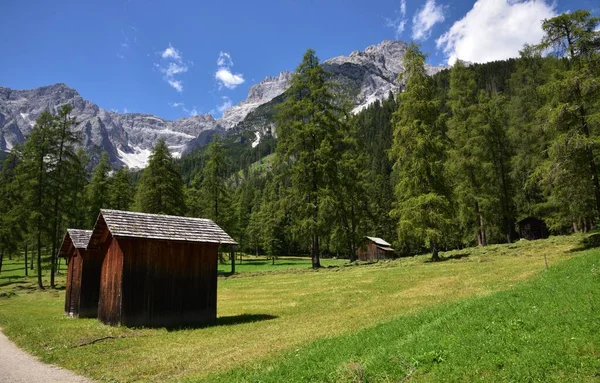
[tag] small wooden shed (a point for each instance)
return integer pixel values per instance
(374, 249)
(532, 228)
(158, 270)
(83, 274)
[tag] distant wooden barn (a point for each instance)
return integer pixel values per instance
(83, 274)
(158, 270)
(374, 249)
(532, 228)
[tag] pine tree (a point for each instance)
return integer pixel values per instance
(572, 114)
(468, 164)
(97, 190)
(422, 206)
(160, 189)
(120, 190)
(308, 129)
(12, 226)
(33, 176)
(214, 190)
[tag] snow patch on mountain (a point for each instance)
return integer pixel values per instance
(136, 160)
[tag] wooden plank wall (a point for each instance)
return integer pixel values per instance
(109, 304)
(90, 283)
(72, 297)
(168, 283)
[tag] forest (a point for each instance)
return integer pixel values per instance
(454, 160)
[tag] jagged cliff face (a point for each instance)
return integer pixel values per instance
(128, 138)
(363, 76)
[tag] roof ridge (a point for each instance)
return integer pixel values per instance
(155, 215)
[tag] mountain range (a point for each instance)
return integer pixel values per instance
(363, 76)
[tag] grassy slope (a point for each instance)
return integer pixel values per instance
(263, 316)
(543, 330)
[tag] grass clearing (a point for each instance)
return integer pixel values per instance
(263, 316)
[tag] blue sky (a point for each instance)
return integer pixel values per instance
(176, 58)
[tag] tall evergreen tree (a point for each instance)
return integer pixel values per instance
(572, 114)
(97, 190)
(120, 190)
(12, 226)
(160, 189)
(422, 205)
(308, 126)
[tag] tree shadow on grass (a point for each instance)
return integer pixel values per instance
(230, 320)
(444, 259)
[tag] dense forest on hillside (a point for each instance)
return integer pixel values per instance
(454, 160)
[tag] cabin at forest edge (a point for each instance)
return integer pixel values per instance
(374, 249)
(83, 274)
(157, 270)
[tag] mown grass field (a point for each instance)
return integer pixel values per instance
(491, 313)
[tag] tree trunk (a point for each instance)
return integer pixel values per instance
(26, 273)
(30, 262)
(434, 253)
(232, 261)
(1, 259)
(316, 262)
(39, 256)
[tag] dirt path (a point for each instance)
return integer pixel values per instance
(17, 366)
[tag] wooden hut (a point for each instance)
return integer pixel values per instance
(158, 270)
(374, 249)
(532, 228)
(83, 274)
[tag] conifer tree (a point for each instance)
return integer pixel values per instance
(97, 190)
(12, 226)
(308, 129)
(422, 206)
(120, 190)
(572, 115)
(160, 189)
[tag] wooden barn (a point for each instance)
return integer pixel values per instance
(83, 274)
(374, 249)
(532, 228)
(158, 270)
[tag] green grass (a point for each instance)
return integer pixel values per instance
(376, 321)
(543, 330)
(260, 264)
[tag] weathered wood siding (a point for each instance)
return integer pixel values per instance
(370, 252)
(109, 304)
(168, 283)
(72, 297)
(90, 283)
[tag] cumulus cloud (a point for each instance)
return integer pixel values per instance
(224, 75)
(172, 65)
(225, 105)
(495, 30)
(425, 19)
(399, 23)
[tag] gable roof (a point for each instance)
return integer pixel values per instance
(379, 241)
(79, 239)
(158, 226)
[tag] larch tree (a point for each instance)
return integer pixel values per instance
(571, 172)
(422, 207)
(308, 126)
(120, 190)
(160, 189)
(97, 189)
(12, 226)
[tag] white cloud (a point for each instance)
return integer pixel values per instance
(224, 60)
(425, 19)
(172, 53)
(171, 65)
(224, 75)
(399, 23)
(125, 110)
(228, 79)
(225, 105)
(180, 105)
(495, 30)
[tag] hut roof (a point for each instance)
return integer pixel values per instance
(168, 227)
(379, 242)
(77, 238)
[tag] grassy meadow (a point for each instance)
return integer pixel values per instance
(492, 313)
